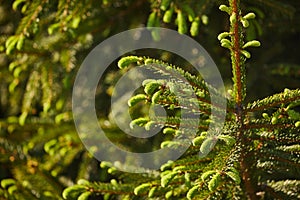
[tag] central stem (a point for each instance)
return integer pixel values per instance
(236, 59)
(239, 88)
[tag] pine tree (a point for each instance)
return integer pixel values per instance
(254, 156)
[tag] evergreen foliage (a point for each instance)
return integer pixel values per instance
(255, 156)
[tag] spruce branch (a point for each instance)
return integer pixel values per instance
(288, 96)
(238, 63)
(239, 84)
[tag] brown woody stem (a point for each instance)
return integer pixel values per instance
(240, 92)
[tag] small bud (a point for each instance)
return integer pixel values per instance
(192, 192)
(245, 23)
(214, 182)
(139, 122)
(224, 8)
(274, 120)
(84, 196)
(151, 87)
(136, 99)
(5, 183)
(226, 43)
(169, 130)
(189, 11)
(169, 194)
(141, 188)
(156, 96)
(246, 53)
(253, 43)
(250, 15)
(265, 115)
(124, 62)
(195, 27)
(198, 140)
(165, 180)
(204, 19)
(152, 19)
(286, 90)
(223, 35)
(207, 145)
(149, 125)
(168, 15)
(165, 4)
(207, 174)
(152, 191)
(182, 26)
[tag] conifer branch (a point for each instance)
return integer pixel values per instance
(237, 62)
(288, 96)
(266, 126)
(31, 15)
(239, 79)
